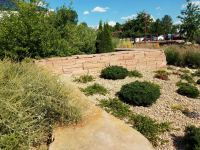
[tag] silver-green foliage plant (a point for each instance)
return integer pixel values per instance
(32, 102)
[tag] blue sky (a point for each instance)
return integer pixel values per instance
(91, 11)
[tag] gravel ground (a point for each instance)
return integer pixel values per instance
(161, 110)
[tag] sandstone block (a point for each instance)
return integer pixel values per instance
(115, 63)
(145, 59)
(152, 53)
(78, 61)
(79, 72)
(131, 62)
(129, 68)
(92, 65)
(73, 66)
(72, 69)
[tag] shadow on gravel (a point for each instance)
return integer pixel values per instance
(192, 114)
(178, 142)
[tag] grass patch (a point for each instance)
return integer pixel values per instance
(184, 71)
(170, 68)
(135, 73)
(94, 89)
(84, 79)
(187, 78)
(197, 73)
(32, 102)
(179, 107)
(150, 128)
(162, 71)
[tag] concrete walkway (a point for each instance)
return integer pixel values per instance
(99, 131)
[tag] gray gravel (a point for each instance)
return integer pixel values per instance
(161, 110)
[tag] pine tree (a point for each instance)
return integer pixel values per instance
(99, 36)
(105, 40)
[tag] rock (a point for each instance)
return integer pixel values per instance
(101, 131)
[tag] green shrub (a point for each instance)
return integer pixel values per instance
(170, 68)
(145, 125)
(32, 102)
(184, 71)
(114, 72)
(116, 107)
(135, 73)
(198, 81)
(173, 56)
(192, 59)
(84, 79)
(180, 83)
(150, 128)
(161, 71)
(189, 91)
(197, 73)
(94, 89)
(140, 93)
(191, 138)
(187, 78)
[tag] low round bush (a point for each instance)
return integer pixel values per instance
(189, 91)
(140, 93)
(114, 72)
(198, 81)
(191, 138)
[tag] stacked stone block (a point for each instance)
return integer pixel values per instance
(91, 64)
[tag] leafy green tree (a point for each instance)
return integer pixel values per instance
(99, 36)
(117, 27)
(190, 21)
(136, 27)
(166, 23)
(84, 24)
(175, 29)
(36, 33)
(156, 27)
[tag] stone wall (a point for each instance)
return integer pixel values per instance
(91, 64)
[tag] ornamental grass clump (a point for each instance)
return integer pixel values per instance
(32, 103)
(140, 93)
(188, 90)
(114, 72)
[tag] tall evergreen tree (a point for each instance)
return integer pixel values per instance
(99, 34)
(105, 40)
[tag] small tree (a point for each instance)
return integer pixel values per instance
(191, 20)
(105, 43)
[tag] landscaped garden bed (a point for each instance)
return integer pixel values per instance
(169, 107)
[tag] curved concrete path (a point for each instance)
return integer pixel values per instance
(99, 131)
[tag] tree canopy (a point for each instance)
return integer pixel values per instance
(190, 20)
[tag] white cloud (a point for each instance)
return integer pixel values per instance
(158, 8)
(112, 23)
(86, 12)
(40, 4)
(129, 17)
(94, 27)
(193, 2)
(177, 22)
(99, 9)
(152, 18)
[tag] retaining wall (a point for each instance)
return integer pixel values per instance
(91, 64)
